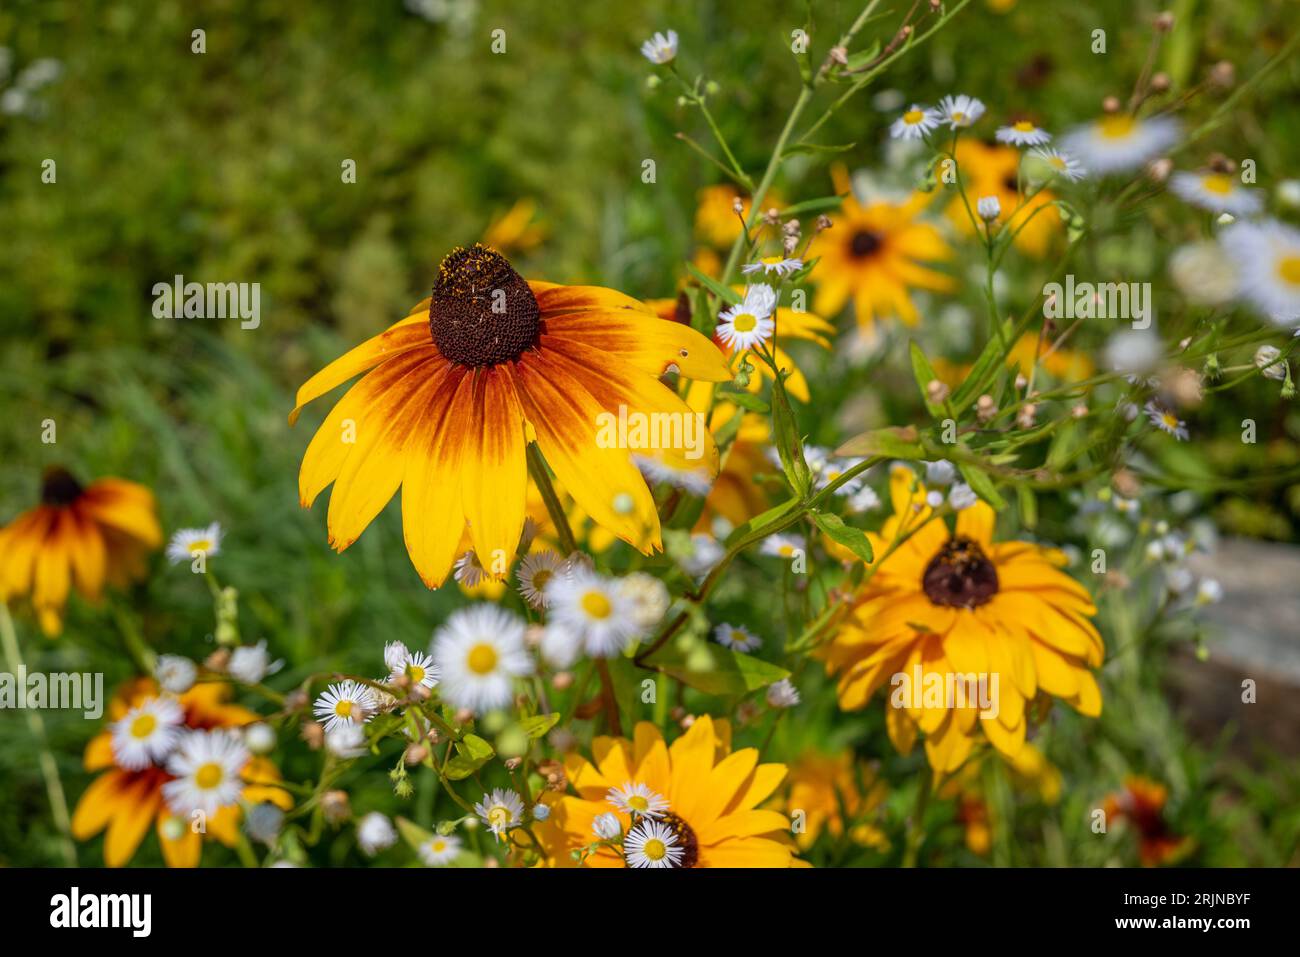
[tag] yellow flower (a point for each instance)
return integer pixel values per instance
(126, 802)
(457, 389)
(514, 230)
(946, 606)
(872, 254)
(713, 798)
(991, 171)
(826, 789)
(716, 221)
(78, 536)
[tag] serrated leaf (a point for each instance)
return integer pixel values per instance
(854, 539)
(724, 293)
(712, 669)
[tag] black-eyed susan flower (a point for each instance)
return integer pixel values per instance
(713, 815)
(127, 800)
(1141, 802)
(994, 171)
(456, 391)
(1121, 141)
(943, 607)
(873, 255)
(479, 651)
(82, 537)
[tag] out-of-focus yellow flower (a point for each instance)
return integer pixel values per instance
(514, 230)
(716, 222)
(824, 793)
(991, 171)
(873, 255)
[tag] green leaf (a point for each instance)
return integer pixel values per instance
(412, 833)
(1028, 506)
(764, 518)
(982, 485)
(816, 148)
(724, 293)
(788, 442)
(898, 442)
(539, 724)
(472, 752)
(986, 367)
(854, 539)
(924, 374)
(712, 669)
(860, 58)
(813, 206)
(746, 400)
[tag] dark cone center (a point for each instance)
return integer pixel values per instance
(865, 243)
(960, 575)
(58, 487)
(482, 312)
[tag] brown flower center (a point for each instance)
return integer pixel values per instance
(58, 487)
(865, 243)
(482, 312)
(686, 838)
(960, 575)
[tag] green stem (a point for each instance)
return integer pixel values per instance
(49, 768)
(537, 469)
(916, 825)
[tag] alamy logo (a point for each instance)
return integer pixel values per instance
(214, 300)
(77, 690)
(945, 690)
(1105, 300)
(133, 911)
(640, 431)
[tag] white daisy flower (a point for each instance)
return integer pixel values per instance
(783, 694)
(961, 497)
(189, 542)
(1166, 421)
(346, 741)
(697, 481)
(348, 702)
(415, 665)
(205, 766)
(535, 571)
(560, 646)
(989, 208)
(782, 546)
(864, 499)
(606, 826)
(594, 608)
(1118, 141)
(440, 850)
(395, 654)
(832, 470)
(479, 651)
(469, 571)
(1209, 592)
(773, 264)
(706, 551)
(1134, 351)
(146, 734)
(637, 798)
(1204, 273)
(649, 597)
(652, 844)
(1267, 257)
(375, 833)
(915, 123)
(1022, 133)
(736, 637)
(960, 110)
(659, 48)
(749, 324)
(175, 673)
(1217, 192)
(1061, 164)
(500, 810)
(251, 663)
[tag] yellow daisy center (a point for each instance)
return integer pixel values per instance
(143, 726)
(597, 605)
(1288, 267)
(415, 673)
(343, 708)
(1056, 162)
(744, 322)
(1169, 419)
(202, 545)
(958, 116)
(912, 117)
(654, 849)
(1117, 126)
(499, 816)
(438, 845)
(209, 775)
(540, 578)
(786, 551)
(1217, 183)
(771, 260)
(638, 803)
(482, 659)
(1024, 126)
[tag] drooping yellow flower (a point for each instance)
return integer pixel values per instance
(873, 255)
(713, 798)
(945, 609)
(457, 389)
(514, 230)
(991, 171)
(80, 537)
(826, 789)
(127, 801)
